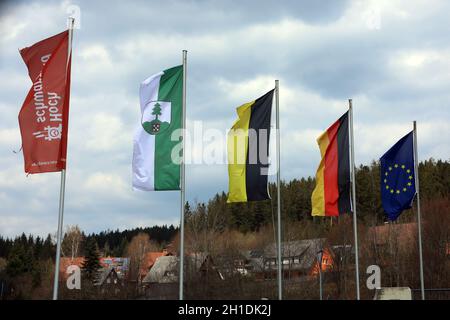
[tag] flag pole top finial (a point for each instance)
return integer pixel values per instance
(71, 21)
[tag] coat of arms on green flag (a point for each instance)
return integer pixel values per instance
(156, 117)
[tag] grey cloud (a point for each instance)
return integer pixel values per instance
(114, 19)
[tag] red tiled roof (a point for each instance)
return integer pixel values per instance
(65, 262)
(149, 261)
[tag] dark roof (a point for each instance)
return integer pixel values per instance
(295, 248)
(342, 250)
(252, 254)
(104, 274)
(303, 250)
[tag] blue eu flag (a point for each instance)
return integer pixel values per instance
(397, 177)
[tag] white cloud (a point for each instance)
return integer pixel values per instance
(105, 132)
(10, 137)
(10, 29)
(106, 184)
(95, 59)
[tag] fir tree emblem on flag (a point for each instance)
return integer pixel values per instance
(156, 117)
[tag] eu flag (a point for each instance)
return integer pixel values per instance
(397, 177)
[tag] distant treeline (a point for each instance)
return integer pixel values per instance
(114, 243)
(251, 216)
(109, 242)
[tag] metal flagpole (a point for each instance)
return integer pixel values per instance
(59, 234)
(280, 265)
(61, 191)
(320, 259)
(182, 179)
(419, 222)
(355, 222)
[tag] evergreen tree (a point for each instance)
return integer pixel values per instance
(120, 249)
(48, 249)
(156, 110)
(91, 263)
(38, 248)
(16, 261)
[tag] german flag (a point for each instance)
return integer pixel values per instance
(248, 151)
(331, 196)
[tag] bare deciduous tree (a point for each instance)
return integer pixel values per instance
(72, 239)
(136, 251)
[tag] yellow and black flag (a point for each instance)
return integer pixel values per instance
(248, 151)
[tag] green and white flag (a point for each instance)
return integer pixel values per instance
(161, 112)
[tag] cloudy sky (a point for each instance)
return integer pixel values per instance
(391, 57)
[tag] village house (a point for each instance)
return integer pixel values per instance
(299, 259)
(113, 273)
(149, 260)
(109, 281)
(161, 282)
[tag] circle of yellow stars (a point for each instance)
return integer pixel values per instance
(400, 190)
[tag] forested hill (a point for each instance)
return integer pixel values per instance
(251, 216)
(296, 199)
(115, 242)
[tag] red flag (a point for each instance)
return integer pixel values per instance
(44, 116)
